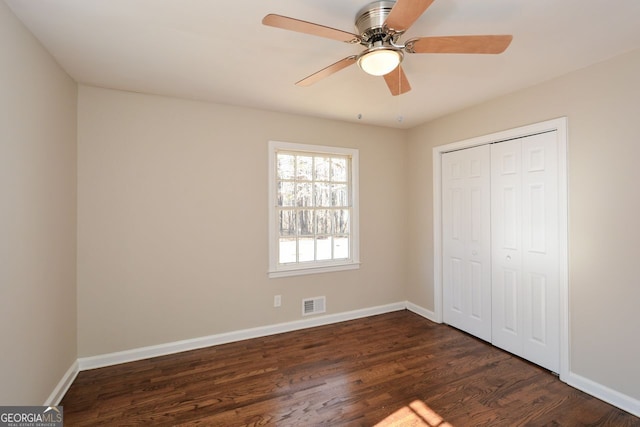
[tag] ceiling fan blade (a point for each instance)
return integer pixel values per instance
(405, 12)
(397, 81)
(459, 44)
(300, 26)
(326, 72)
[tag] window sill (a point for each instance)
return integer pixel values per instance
(299, 271)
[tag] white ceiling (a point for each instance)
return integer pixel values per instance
(220, 52)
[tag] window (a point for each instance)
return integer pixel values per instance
(313, 209)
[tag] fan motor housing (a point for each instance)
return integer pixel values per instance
(370, 20)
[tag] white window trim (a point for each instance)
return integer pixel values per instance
(276, 270)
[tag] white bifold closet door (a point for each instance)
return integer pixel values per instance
(466, 238)
(500, 245)
(525, 253)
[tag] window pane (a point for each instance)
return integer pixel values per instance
(305, 168)
(303, 194)
(322, 195)
(341, 221)
(287, 223)
(286, 194)
(323, 244)
(305, 225)
(323, 222)
(323, 164)
(340, 247)
(314, 207)
(339, 170)
(339, 195)
(287, 251)
(306, 249)
(286, 166)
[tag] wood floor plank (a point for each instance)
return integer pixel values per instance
(395, 369)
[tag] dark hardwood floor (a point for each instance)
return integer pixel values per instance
(393, 369)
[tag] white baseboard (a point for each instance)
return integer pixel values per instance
(63, 386)
(588, 386)
(86, 363)
(613, 397)
(427, 314)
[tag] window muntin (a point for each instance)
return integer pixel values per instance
(314, 208)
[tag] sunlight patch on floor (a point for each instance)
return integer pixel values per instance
(417, 413)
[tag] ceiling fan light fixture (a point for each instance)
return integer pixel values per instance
(379, 61)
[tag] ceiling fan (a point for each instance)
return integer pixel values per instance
(380, 25)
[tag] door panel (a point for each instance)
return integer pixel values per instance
(541, 251)
(538, 299)
(509, 303)
(476, 285)
(525, 248)
(506, 239)
(466, 240)
(456, 285)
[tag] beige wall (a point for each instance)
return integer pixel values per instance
(172, 220)
(601, 103)
(37, 218)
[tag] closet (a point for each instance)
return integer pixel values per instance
(500, 245)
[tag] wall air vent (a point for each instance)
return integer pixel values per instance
(314, 305)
